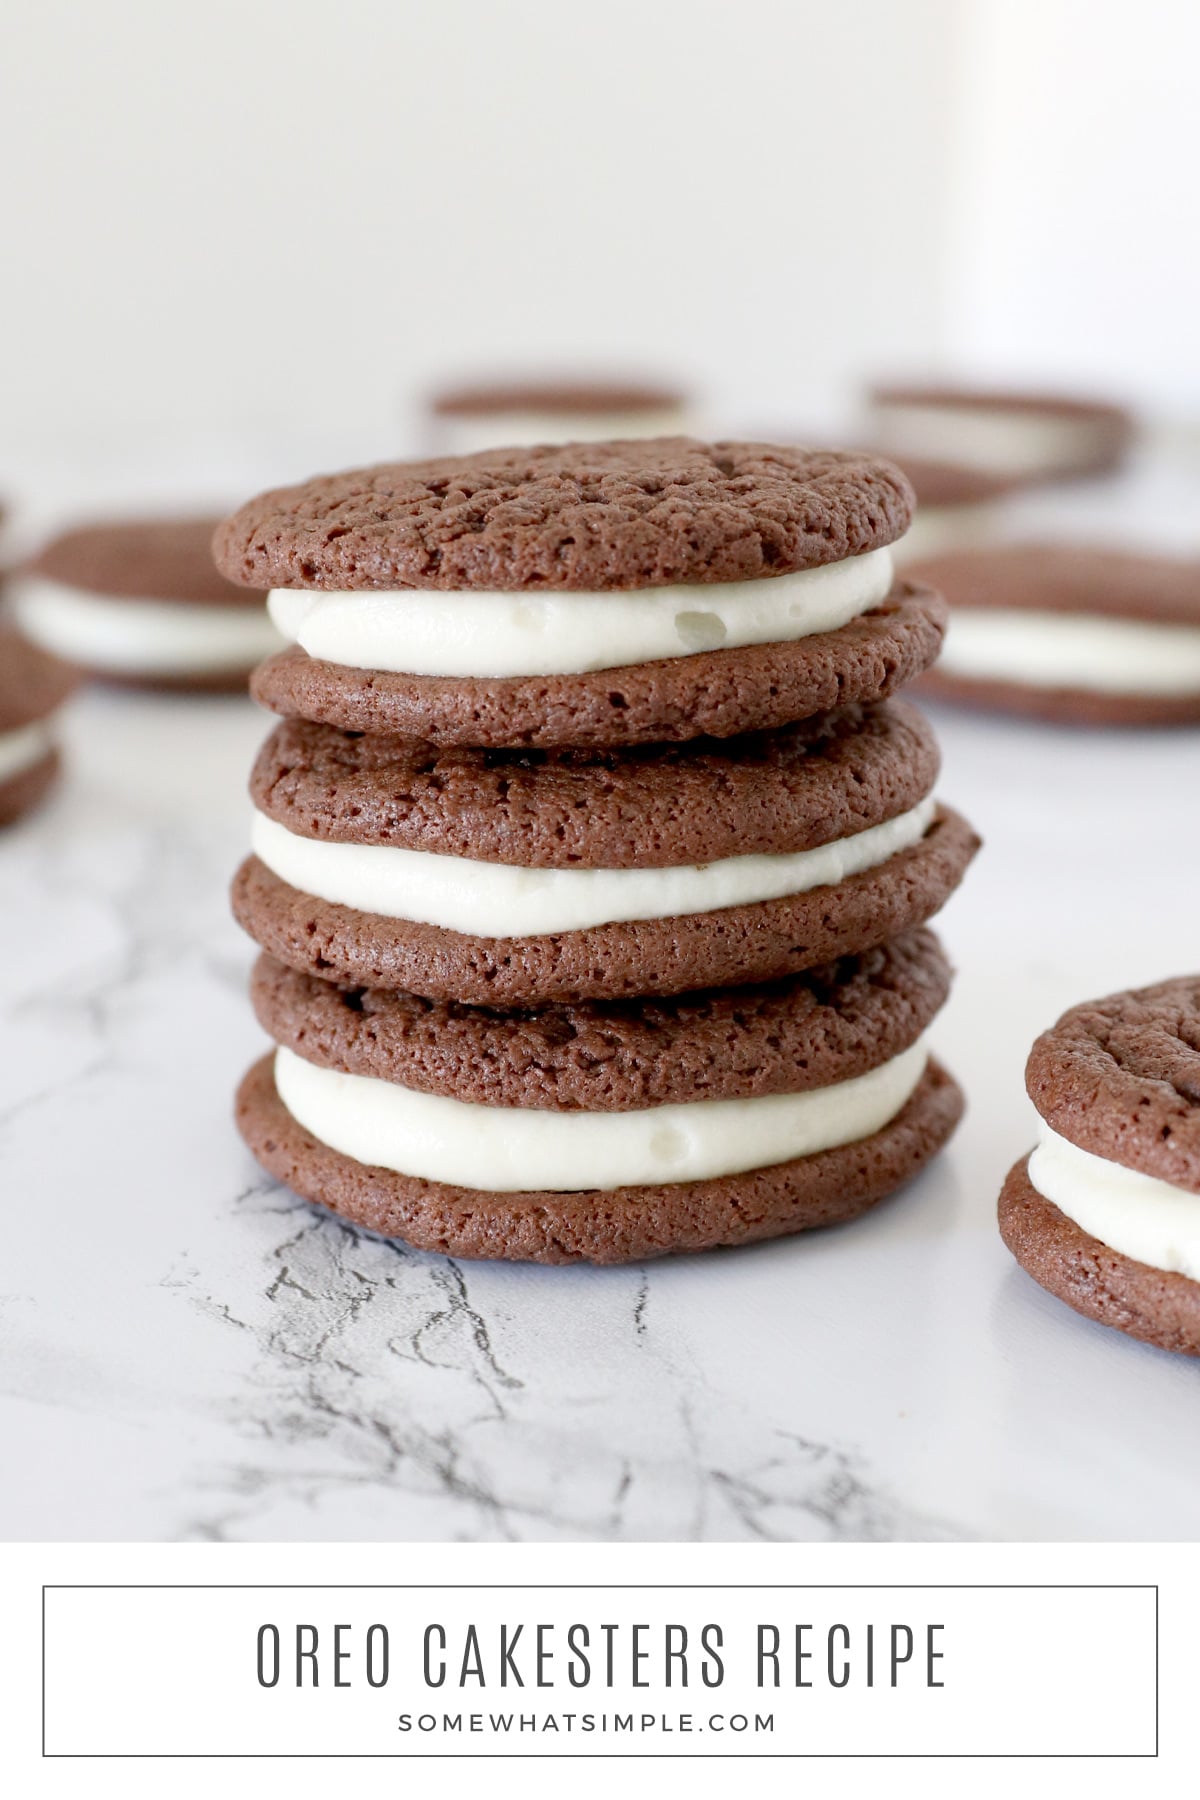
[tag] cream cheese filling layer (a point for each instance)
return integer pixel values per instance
(1134, 1214)
(143, 637)
(499, 900)
(1003, 441)
(504, 1149)
(23, 748)
(422, 631)
(1073, 650)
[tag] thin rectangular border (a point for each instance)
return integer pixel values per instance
(728, 1587)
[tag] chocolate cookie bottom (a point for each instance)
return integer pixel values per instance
(613, 1226)
(1060, 706)
(25, 790)
(1099, 1282)
(714, 693)
(735, 945)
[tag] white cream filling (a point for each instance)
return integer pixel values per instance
(21, 749)
(1072, 650)
(500, 900)
(415, 631)
(502, 1149)
(1136, 1215)
(1007, 442)
(458, 434)
(143, 637)
(938, 529)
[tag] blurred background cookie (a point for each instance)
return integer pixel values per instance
(1072, 634)
(958, 506)
(140, 600)
(1033, 436)
(545, 409)
(33, 685)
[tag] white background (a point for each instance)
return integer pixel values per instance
(279, 218)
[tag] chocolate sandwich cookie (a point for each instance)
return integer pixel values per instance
(538, 410)
(1032, 436)
(1105, 1213)
(33, 685)
(1075, 635)
(604, 1132)
(587, 594)
(139, 601)
(518, 877)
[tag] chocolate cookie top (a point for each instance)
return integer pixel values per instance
(656, 807)
(783, 1037)
(1068, 579)
(633, 513)
(1066, 406)
(142, 559)
(546, 396)
(1121, 1077)
(32, 682)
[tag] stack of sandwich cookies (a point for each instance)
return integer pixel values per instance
(1105, 1213)
(1076, 635)
(138, 601)
(33, 685)
(510, 931)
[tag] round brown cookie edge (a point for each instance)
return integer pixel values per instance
(577, 395)
(225, 682)
(715, 693)
(617, 1226)
(23, 792)
(1153, 1305)
(811, 1031)
(735, 946)
(770, 793)
(1059, 706)
(1022, 400)
(1065, 580)
(616, 515)
(167, 559)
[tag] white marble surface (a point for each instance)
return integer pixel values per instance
(190, 1353)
